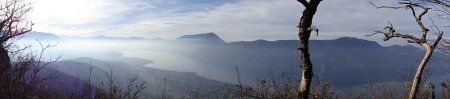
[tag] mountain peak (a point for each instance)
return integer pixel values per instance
(350, 41)
(203, 37)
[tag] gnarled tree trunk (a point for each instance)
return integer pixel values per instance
(304, 34)
(423, 40)
(418, 76)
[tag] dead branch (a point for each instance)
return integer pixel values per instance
(413, 39)
(378, 7)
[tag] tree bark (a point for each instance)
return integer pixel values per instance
(418, 76)
(5, 61)
(304, 35)
(5, 64)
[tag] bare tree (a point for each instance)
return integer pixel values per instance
(422, 40)
(304, 33)
(12, 24)
(112, 88)
(24, 79)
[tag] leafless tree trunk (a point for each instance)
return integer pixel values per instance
(5, 62)
(304, 34)
(413, 39)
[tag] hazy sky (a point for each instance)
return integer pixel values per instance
(233, 20)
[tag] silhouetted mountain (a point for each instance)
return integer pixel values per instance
(348, 42)
(346, 60)
(340, 42)
(207, 38)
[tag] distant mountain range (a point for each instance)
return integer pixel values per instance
(348, 61)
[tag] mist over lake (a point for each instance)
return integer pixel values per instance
(224, 49)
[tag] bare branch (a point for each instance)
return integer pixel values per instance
(313, 28)
(413, 39)
(378, 7)
(438, 32)
(12, 19)
(392, 33)
(437, 40)
(445, 3)
(375, 33)
(445, 47)
(304, 3)
(419, 18)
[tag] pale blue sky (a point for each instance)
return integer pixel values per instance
(233, 20)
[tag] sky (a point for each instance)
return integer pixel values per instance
(233, 20)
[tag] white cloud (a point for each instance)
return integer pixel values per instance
(57, 15)
(241, 20)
